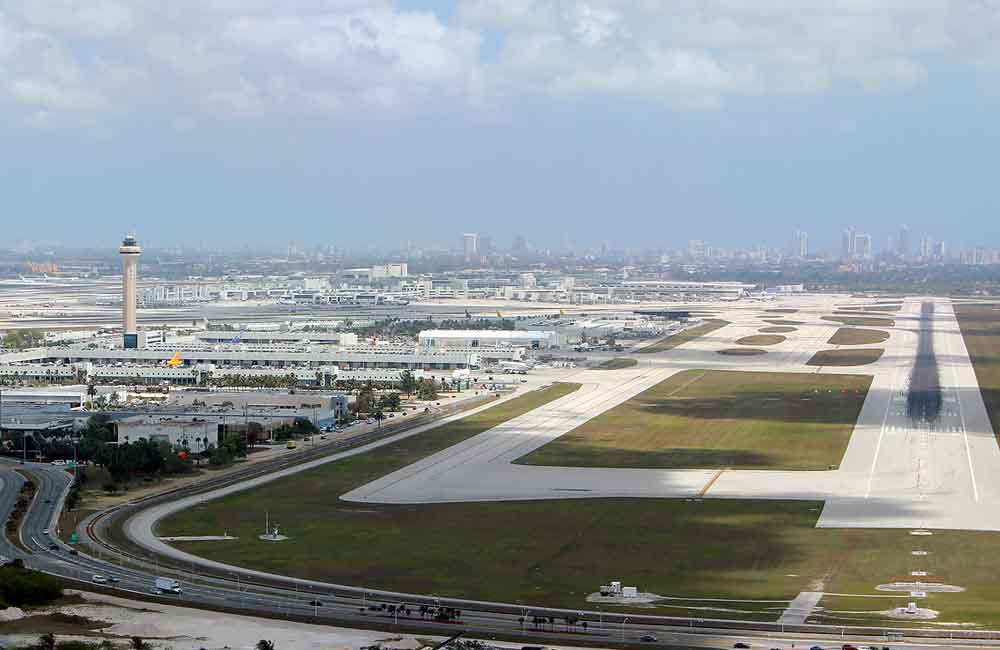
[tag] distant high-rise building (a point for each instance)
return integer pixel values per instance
(863, 246)
(848, 243)
(698, 249)
(800, 244)
(470, 242)
(939, 250)
(903, 242)
(129, 251)
(926, 247)
(519, 244)
(485, 245)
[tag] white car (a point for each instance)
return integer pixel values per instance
(98, 579)
(45, 532)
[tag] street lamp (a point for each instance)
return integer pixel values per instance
(624, 621)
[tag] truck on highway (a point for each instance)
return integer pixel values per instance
(167, 586)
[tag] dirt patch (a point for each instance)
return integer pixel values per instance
(858, 336)
(760, 339)
(846, 357)
(743, 352)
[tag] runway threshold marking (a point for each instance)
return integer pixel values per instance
(708, 486)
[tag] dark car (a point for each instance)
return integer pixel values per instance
(73, 551)
(741, 646)
(114, 579)
(316, 603)
(648, 638)
(53, 547)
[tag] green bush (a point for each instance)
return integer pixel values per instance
(20, 587)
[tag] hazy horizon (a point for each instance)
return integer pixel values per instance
(358, 122)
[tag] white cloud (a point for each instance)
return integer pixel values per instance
(698, 52)
(254, 57)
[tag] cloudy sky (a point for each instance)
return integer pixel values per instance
(640, 122)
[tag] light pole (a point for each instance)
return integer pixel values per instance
(624, 621)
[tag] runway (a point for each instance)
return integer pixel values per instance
(896, 473)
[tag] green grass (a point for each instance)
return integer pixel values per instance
(671, 342)
(980, 325)
(845, 357)
(861, 321)
(537, 552)
(742, 352)
(856, 336)
(760, 339)
(616, 364)
(782, 322)
(715, 419)
(781, 310)
(777, 329)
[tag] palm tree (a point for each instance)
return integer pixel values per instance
(136, 643)
(264, 644)
(47, 641)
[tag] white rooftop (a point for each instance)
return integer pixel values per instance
(515, 335)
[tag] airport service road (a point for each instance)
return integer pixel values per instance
(894, 474)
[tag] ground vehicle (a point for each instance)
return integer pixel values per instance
(290, 445)
(816, 647)
(316, 603)
(53, 547)
(114, 579)
(45, 532)
(741, 646)
(98, 579)
(73, 551)
(167, 586)
(322, 437)
(648, 638)
(848, 646)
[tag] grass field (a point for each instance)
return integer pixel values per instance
(671, 342)
(861, 321)
(782, 322)
(781, 310)
(715, 418)
(856, 336)
(980, 326)
(777, 329)
(760, 339)
(845, 357)
(616, 364)
(742, 352)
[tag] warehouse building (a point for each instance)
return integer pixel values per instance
(472, 339)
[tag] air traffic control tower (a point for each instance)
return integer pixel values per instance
(129, 250)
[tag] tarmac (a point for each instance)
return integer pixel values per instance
(895, 473)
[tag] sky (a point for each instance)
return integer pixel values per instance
(639, 123)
